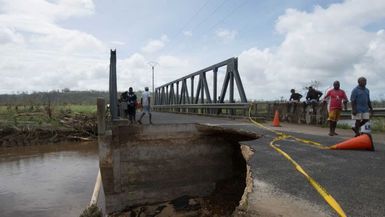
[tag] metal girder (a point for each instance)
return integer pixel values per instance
(168, 95)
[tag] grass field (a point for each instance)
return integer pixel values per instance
(41, 115)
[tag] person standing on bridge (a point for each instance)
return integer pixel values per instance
(123, 104)
(145, 101)
(361, 105)
(131, 105)
(335, 97)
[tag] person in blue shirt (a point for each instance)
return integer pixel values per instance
(361, 105)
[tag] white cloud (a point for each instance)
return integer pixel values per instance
(226, 35)
(372, 65)
(327, 44)
(43, 71)
(42, 9)
(8, 35)
(135, 71)
(38, 54)
(155, 45)
(172, 62)
(255, 62)
(187, 33)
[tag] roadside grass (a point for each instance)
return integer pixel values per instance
(377, 124)
(344, 126)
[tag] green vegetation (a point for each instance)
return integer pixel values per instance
(48, 117)
(63, 97)
(23, 115)
(343, 126)
(377, 125)
(42, 115)
(32, 124)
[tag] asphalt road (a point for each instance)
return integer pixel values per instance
(355, 179)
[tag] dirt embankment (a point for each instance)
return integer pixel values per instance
(67, 128)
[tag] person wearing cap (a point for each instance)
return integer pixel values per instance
(131, 105)
(145, 101)
(335, 97)
(361, 105)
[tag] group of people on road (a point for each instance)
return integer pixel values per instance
(129, 101)
(335, 98)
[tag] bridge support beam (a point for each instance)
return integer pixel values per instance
(113, 87)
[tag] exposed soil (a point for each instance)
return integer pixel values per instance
(221, 203)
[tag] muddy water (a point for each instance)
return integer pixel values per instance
(47, 180)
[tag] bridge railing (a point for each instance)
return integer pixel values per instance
(264, 111)
(301, 113)
(220, 109)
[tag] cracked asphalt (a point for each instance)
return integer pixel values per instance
(355, 179)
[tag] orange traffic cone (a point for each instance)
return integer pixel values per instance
(276, 119)
(362, 142)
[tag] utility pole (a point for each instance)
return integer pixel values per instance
(153, 64)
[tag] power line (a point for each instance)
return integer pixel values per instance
(176, 35)
(224, 18)
(192, 17)
(211, 14)
(247, 26)
(239, 6)
(202, 21)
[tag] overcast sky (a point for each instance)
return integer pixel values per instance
(56, 44)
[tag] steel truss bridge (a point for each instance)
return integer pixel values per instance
(195, 93)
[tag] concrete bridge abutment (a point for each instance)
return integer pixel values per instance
(149, 164)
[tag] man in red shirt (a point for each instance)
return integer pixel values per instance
(335, 97)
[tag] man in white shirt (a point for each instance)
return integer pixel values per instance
(145, 101)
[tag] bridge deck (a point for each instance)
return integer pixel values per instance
(356, 179)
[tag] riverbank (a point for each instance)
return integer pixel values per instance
(25, 126)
